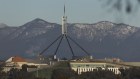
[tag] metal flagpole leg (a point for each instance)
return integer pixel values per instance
(70, 46)
(79, 46)
(50, 45)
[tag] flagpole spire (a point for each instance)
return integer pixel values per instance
(64, 22)
(64, 9)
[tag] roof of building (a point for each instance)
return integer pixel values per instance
(16, 59)
(105, 62)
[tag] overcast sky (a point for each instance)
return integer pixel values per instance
(18, 12)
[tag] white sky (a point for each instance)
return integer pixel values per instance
(18, 12)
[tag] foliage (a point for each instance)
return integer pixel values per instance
(15, 73)
(24, 67)
(63, 74)
(46, 73)
(132, 73)
(127, 5)
(62, 71)
(2, 74)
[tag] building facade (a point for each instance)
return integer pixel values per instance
(17, 62)
(80, 67)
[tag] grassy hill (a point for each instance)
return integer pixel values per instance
(46, 73)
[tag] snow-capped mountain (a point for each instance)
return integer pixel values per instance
(32, 29)
(102, 39)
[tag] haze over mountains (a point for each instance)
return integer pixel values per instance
(102, 39)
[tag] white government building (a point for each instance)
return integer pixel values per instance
(81, 66)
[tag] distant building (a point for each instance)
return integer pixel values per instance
(17, 62)
(135, 64)
(14, 62)
(86, 66)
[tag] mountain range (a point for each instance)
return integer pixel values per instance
(102, 40)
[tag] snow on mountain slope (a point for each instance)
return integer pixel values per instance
(102, 39)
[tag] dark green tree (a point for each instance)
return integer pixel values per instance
(24, 67)
(15, 73)
(63, 74)
(3, 75)
(131, 73)
(121, 5)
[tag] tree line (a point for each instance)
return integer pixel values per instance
(67, 73)
(16, 73)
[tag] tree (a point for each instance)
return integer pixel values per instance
(1, 68)
(15, 73)
(127, 5)
(123, 9)
(24, 67)
(131, 73)
(62, 74)
(2, 73)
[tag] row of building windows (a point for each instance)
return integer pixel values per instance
(80, 70)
